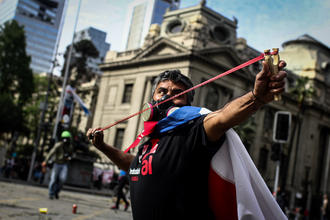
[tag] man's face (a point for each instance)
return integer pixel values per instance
(170, 88)
(66, 140)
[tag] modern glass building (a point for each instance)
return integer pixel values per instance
(98, 38)
(42, 21)
(143, 13)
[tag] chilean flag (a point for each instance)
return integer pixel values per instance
(236, 189)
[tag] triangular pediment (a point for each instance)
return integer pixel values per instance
(222, 55)
(161, 47)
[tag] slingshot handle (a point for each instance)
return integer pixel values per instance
(273, 62)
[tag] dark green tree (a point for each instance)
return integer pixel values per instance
(33, 109)
(302, 91)
(82, 51)
(16, 77)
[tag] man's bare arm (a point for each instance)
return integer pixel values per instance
(238, 110)
(121, 159)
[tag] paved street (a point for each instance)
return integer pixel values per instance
(18, 201)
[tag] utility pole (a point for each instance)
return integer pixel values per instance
(45, 105)
(60, 105)
(281, 133)
(277, 172)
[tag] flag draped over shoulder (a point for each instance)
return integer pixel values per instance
(71, 90)
(236, 189)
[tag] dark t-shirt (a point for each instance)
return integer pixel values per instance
(169, 175)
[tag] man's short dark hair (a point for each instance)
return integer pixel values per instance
(177, 77)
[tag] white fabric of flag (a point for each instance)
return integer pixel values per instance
(78, 99)
(232, 164)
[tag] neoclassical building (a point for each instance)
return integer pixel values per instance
(308, 165)
(202, 44)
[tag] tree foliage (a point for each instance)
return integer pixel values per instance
(302, 90)
(16, 77)
(83, 50)
(32, 109)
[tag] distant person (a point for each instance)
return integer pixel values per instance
(123, 181)
(99, 181)
(37, 172)
(9, 167)
(61, 152)
(281, 199)
(325, 208)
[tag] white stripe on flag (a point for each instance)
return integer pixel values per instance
(78, 99)
(233, 164)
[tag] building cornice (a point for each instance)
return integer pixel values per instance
(190, 55)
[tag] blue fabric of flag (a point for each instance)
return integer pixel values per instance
(177, 118)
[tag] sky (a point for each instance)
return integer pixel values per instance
(263, 23)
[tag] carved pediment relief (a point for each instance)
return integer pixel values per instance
(161, 47)
(224, 58)
(222, 55)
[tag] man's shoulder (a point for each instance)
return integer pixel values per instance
(58, 144)
(184, 117)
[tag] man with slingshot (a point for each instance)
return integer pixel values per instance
(169, 173)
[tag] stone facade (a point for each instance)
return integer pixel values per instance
(308, 168)
(202, 44)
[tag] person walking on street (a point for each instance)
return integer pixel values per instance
(163, 183)
(123, 181)
(60, 154)
(325, 208)
(281, 199)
